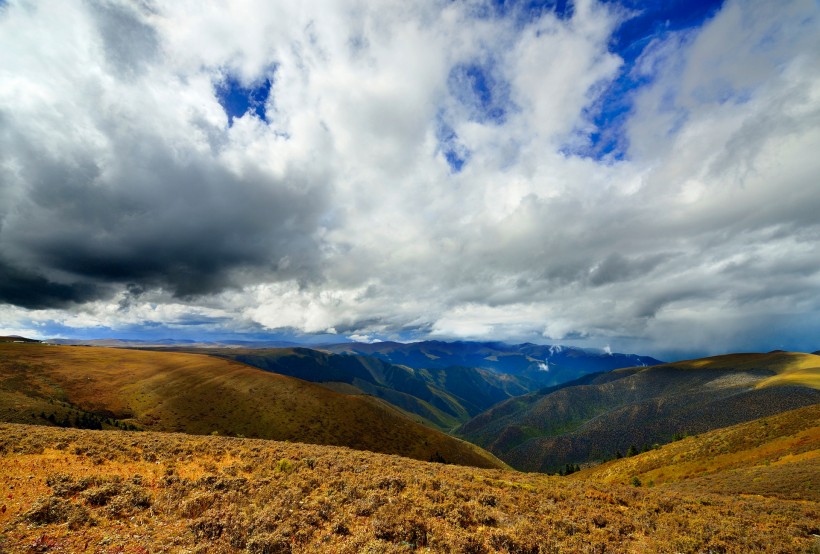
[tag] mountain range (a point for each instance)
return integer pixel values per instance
(546, 365)
(441, 384)
(443, 398)
(503, 403)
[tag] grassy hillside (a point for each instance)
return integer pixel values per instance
(198, 394)
(637, 407)
(776, 456)
(68, 490)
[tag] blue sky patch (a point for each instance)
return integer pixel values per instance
(449, 145)
(651, 21)
(237, 100)
(655, 19)
(525, 11)
(484, 94)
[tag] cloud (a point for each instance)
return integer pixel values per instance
(411, 170)
(121, 170)
(30, 290)
(130, 44)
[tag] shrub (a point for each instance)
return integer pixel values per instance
(268, 543)
(54, 510)
(284, 466)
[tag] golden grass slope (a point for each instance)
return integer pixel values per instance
(789, 368)
(68, 490)
(191, 393)
(776, 456)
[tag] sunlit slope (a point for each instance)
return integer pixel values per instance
(637, 407)
(793, 368)
(774, 456)
(69, 490)
(802, 369)
(198, 394)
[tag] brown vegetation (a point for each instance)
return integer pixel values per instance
(68, 490)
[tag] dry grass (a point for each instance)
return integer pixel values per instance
(807, 375)
(791, 368)
(66, 490)
(774, 456)
(198, 394)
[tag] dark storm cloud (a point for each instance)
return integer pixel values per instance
(100, 189)
(156, 222)
(29, 290)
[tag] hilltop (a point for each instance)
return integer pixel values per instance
(602, 415)
(109, 388)
(114, 491)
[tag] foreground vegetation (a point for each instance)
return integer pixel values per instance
(69, 490)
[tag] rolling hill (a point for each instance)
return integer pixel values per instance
(198, 394)
(776, 456)
(542, 365)
(15, 338)
(600, 415)
(71, 490)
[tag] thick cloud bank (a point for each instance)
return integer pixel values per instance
(408, 170)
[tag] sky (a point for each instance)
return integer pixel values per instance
(642, 176)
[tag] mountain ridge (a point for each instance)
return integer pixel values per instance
(546, 365)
